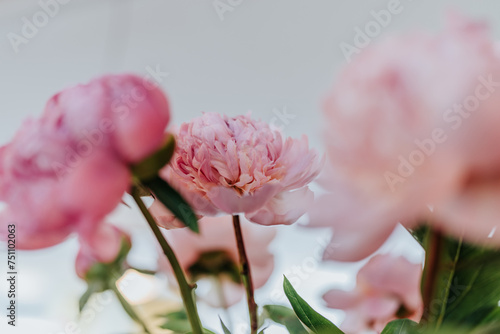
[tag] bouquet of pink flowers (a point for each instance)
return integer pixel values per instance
(411, 127)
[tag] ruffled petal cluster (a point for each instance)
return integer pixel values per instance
(239, 165)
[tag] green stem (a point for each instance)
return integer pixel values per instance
(128, 308)
(246, 275)
(430, 276)
(187, 290)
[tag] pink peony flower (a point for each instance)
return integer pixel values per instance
(401, 137)
(387, 288)
(66, 171)
(124, 112)
(214, 254)
(103, 245)
(239, 165)
(47, 207)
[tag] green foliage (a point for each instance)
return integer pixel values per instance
(401, 326)
(149, 167)
(147, 180)
(178, 323)
(284, 316)
(102, 276)
(405, 326)
(474, 288)
(173, 201)
(466, 289)
(312, 319)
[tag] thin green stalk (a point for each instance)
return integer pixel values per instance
(187, 290)
(246, 275)
(129, 309)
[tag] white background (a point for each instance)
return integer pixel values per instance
(262, 57)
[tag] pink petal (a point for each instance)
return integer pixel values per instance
(379, 308)
(394, 276)
(95, 186)
(229, 201)
(473, 214)
(140, 113)
(285, 208)
(31, 235)
(358, 229)
(340, 299)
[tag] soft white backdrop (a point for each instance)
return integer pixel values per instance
(267, 57)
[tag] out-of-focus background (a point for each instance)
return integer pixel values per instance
(276, 59)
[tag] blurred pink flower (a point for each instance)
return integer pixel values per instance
(400, 139)
(103, 245)
(239, 165)
(65, 171)
(387, 288)
(47, 207)
(124, 112)
(216, 238)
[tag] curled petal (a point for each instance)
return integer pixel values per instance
(341, 299)
(359, 228)
(285, 208)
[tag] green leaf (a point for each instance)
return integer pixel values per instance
(312, 319)
(447, 254)
(177, 322)
(284, 316)
(493, 316)
(224, 327)
(419, 233)
(174, 202)
(475, 288)
(92, 287)
(177, 326)
(405, 326)
(149, 167)
(401, 326)
(466, 289)
(84, 300)
(128, 308)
